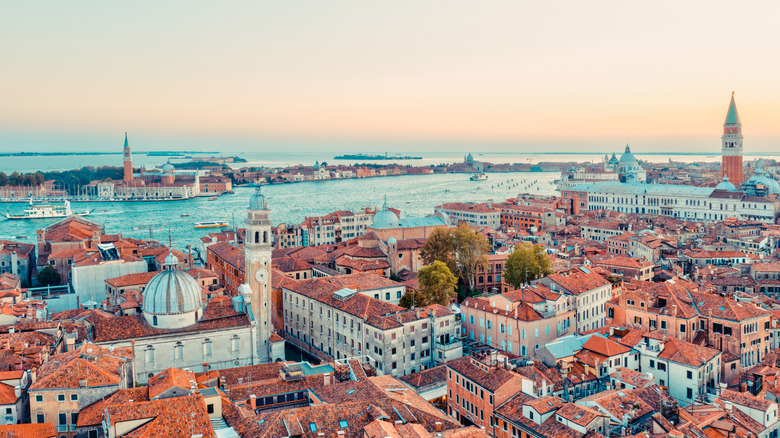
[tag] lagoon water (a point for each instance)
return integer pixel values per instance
(414, 195)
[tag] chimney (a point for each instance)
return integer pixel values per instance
(617, 374)
(437, 425)
(327, 379)
(253, 402)
(727, 405)
(205, 367)
(193, 387)
(17, 391)
(544, 387)
(11, 329)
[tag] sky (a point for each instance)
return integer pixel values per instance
(565, 76)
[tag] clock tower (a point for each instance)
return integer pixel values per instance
(257, 250)
(731, 146)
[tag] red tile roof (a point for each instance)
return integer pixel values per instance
(34, 430)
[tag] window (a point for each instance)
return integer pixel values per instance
(60, 397)
(689, 392)
(235, 344)
(652, 363)
(312, 427)
(689, 374)
(207, 348)
(39, 398)
(39, 418)
(210, 408)
(63, 417)
(74, 397)
(74, 416)
(343, 424)
(663, 325)
(661, 366)
(178, 351)
(682, 328)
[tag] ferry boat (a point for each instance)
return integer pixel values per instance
(211, 224)
(481, 176)
(46, 211)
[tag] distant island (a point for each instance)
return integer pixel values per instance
(375, 157)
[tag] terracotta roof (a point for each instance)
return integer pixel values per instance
(7, 394)
(687, 353)
(99, 366)
(34, 430)
(578, 282)
(166, 417)
(134, 326)
(290, 264)
(491, 380)
(605, 346)
(431, 376)
(92, 415)
(170, 378)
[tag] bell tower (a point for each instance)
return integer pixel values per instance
(257, 251)
(731, 146)
(128, 161)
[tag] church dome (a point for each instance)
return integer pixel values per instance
(257, 201)
(172, 299)
(772, 187)
(167, 167)
(614, 159)
(628, 157)
(469, 157)
(726, 185)
(385, 218)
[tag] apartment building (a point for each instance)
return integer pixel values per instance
(341, 323)
(476, 386)
(474, 214)
(518, 321)
(589, 293)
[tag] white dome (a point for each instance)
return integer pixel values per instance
(772, 187)
(167, 167)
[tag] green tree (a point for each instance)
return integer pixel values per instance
(526, 263)
(48, 277)
(413, 298)
(440, 246)
(437, 284)
(471, 249)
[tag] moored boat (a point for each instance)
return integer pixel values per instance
(46, 211)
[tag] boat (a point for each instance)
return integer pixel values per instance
(46, 211)
(22, 237)
(211, 224)
(185, 215)
(213, 198)
(479, 176)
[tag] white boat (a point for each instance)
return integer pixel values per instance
(480, 176)
(211, 224)
(46, 211)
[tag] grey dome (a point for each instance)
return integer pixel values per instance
(172, 291)
(167, 167)
(726, 185)
(614, 159)
(628, 157)
(257, 201)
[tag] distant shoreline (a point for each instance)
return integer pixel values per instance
(57, 154)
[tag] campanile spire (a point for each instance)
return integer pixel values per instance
(731, 145)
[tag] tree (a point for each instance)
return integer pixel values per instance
(48, 277)
(440, 246)
(461, 249)
(437, 284)
(471, 250)
(526, 263)
(413, 298)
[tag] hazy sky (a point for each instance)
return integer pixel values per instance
(500, 75)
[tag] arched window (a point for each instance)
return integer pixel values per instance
(207, 347)
(257, 237)
(154, 320)
(149, 354)
(178, 351)
(235, 344)
(265, 236)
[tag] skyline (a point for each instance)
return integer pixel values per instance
(348, 76)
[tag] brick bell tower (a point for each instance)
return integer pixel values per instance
(731, 140)
(128, 161)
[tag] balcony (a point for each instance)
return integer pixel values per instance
(448, 346)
